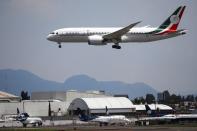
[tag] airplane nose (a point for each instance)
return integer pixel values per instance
(49, 37)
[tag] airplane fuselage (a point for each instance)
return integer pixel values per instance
(141, 34)
(111, 119)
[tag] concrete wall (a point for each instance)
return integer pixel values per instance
(49, 95)
(9, 108)
(34, 108)
(41, 108)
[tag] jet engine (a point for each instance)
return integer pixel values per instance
(96, 40)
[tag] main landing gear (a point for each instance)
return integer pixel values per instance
(116, 46)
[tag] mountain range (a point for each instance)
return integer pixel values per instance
(14, 81)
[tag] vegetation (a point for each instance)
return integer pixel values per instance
(177, 102)
(24, 95)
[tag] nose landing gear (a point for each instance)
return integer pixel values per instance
(59, 45)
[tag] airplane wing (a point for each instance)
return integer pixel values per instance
(117, 34)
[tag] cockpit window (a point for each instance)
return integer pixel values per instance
(52, 33)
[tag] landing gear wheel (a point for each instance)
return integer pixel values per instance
(113, 46)
(116, 46)
(60, 46)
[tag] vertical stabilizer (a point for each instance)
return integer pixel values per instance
(172, 23)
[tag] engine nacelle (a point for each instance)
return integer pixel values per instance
(96, 40)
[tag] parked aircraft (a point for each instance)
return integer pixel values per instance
(167, 117)
(103, 36)
(25, 119)
(104, 120)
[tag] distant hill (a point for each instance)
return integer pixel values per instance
(13, 81)
(83, 83)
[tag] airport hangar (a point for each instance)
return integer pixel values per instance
(97, 106)
(39, 103)
(91, 102)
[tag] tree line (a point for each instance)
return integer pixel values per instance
(169, 99)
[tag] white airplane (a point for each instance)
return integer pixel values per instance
(167, 117)
(104, 120)
(25, 119)
(103, 36)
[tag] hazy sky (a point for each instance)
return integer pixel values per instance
(165, 65)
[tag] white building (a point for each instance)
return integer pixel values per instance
(115, 105)
(67, 96)
(34, 107)
(7, 97)
(39, 104)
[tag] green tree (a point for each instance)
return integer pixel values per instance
(196, 98)
(174, 99)
(139, 100)
(24, 95)
(150, 98)
(142, 100)
(190, 98)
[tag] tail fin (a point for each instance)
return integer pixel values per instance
(106, 111)
(82, 115)
(148, 110)
(22, 117)
(171, 24)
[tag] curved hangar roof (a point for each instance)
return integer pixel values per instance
(112, 103)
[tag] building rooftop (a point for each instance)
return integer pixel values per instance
(6, 95)
(110, 102)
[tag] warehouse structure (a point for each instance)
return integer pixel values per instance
(67, 96)
(7, 97)
(97, 106)
(34, 108)
(39, 104)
